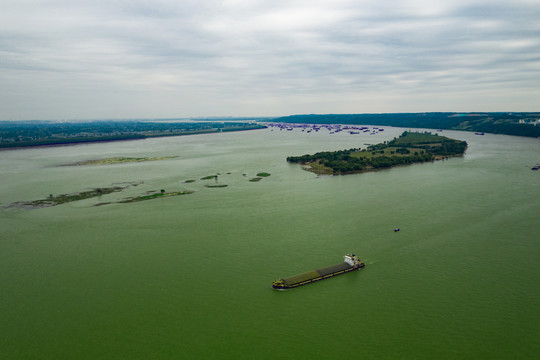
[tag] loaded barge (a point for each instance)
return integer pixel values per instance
(350, 263)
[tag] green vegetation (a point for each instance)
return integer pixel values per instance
(119, 160)
(520, 124)
(409, 148)
(161, 194)
(433, 144)
(209, 177)
(259, 177)
(42, 133)
(66, 198)
(52, 200)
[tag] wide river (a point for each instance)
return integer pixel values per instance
(189, 277)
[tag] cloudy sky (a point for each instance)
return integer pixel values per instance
(89, 59)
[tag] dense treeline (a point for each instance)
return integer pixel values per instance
(349, 164)
(409, 148)
(33, 133)
(520, 124)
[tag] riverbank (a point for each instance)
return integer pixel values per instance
(23, 134)
(507, 123)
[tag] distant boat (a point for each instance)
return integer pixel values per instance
(536, 167)
(479, 133)
(396, 229)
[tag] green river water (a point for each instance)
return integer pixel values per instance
(189, 277)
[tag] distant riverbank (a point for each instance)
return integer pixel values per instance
(514, 123)
(23, 134)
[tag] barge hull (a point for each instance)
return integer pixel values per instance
(316, 275)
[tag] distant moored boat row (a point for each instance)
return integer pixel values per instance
(333, 128)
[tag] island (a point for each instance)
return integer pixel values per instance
(259, 177)
(409, 148)
(151, 195)
(54, 200)
(119, 160)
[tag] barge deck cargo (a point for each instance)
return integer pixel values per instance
(351, 263)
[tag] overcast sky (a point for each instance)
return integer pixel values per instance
(88, 59)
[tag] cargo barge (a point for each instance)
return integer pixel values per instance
(350, 263)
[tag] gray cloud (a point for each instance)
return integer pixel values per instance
(96, 59)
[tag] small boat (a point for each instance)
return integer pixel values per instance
(396, 229)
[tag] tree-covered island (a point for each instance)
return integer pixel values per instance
(409, 148)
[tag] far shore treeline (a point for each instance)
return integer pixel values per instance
(507, 123)
(14, 134)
